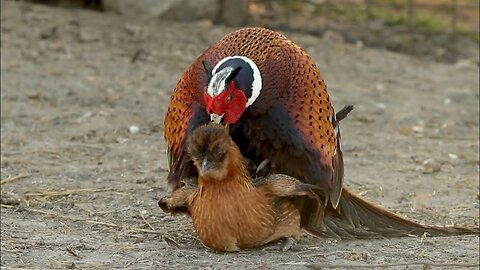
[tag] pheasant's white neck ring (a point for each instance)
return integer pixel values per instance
(249, 78)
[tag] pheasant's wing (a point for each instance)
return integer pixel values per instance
(186, 111)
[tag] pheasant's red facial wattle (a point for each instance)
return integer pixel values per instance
(231, 103)
(208, 102)
(236, 103)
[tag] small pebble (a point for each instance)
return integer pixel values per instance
(359, 44)
(380, 87)
(133, 129)
(418, 128)
(452, 156)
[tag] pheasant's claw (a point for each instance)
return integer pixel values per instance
(262, 166)
(288, 244)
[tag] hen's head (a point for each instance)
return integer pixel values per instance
(213, 151)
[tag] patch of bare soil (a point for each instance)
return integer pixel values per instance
(83, 159)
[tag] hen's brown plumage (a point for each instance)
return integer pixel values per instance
(291, 123)
(228, 210)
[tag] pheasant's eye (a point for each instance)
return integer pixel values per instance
(230, 97)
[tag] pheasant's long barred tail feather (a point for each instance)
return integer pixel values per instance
(357, 218)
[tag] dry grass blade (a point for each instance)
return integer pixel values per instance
(6, 206)
(146, 222)
(145, 231)
(13, 178)
(70, 250)
(67, 192)
(426, 265)
(170, 241)
(17, 268)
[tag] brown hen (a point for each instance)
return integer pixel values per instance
(228, 210)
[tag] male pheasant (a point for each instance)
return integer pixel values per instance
(272, 97)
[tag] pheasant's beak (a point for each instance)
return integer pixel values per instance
(216, 118)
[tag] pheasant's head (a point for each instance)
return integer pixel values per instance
(234, 84)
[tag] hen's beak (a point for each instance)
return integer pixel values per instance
(206, 166)
(216, 118)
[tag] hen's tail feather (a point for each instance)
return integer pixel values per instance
(357, 218)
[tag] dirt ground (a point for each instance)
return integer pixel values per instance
(80, 182)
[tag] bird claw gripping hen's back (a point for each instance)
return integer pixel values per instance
(273, 99)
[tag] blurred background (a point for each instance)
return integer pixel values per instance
(444, 30)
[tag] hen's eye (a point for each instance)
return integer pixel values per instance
(200, 151)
